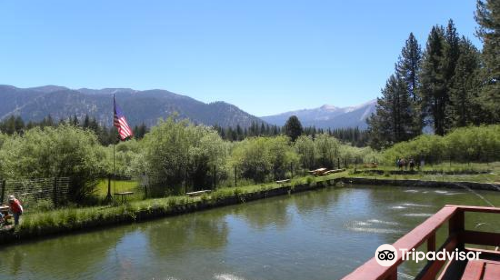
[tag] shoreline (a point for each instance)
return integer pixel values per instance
(127, 214)
(421, 183)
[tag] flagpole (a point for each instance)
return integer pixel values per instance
(114, 146)
(124, 133)
(108, 196)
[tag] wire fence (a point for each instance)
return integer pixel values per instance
(35, 191)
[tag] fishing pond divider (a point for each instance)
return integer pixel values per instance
(79, 219)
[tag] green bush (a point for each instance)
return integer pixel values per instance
(310, 180)
(461, 145)
(263, 158)
(63, 151)
(174, 151)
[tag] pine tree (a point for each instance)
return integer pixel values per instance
(408, 67)
(293, 128)
(464, 107)
(434, 86)
(74, 121)
(451, 54)
(86, 122)
(392, 121)
(488, 17)
(49, 121)
(398, 116)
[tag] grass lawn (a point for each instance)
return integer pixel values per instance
(493, 175)
(116, 186)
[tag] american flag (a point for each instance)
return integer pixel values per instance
(120, 122)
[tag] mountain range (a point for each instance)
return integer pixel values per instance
(139, 106)
(34, 104)
(328, 116)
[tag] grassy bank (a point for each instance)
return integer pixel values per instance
(73, 219)
(116, 186)
(37, 224)
(474, 172)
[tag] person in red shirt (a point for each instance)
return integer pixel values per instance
(16, 208)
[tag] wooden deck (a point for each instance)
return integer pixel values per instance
(487, 268)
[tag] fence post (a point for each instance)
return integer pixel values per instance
(108, 196)
(3, 190)
(54, 199)
(235, 178)
(338, 163)
(215, 177)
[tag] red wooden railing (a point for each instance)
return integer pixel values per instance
(426, 232)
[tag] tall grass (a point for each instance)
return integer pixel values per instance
(70, 219)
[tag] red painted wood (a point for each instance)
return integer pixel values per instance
(473, 270)
(431, 243)
(432, 269)
(492, 272)
(425, 232)
(372, 270)
(480, 238)
(478, 209)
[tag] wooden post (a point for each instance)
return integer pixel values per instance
(185, 181)
(54, 199)
(4, 183)
(338, 163)
(108, 196)
(456, 226)
(235, 176)
(431, 243)
(393, 275)
(215, 177)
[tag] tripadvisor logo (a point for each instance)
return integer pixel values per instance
(387, 255)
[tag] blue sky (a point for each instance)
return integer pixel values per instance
(265, 57)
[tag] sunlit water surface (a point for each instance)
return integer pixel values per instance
(322, 234)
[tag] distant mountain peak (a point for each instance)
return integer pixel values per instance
(49, 88)
(328, 116)
(329, 107)
(106, 90)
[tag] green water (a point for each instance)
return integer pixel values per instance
(321, 234)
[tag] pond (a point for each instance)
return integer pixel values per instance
(322, 234)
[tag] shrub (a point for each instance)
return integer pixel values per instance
(174, 151)
(63, 151)
(263, 158)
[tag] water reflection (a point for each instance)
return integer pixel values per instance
(74, 253)
(269, 213)
(187, 233)
(321, 234)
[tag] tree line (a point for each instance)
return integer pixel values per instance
(105, 135)
(353, 135)
(175, 156)
(449, 84)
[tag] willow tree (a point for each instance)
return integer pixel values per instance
(62, 151)
(177, 153)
